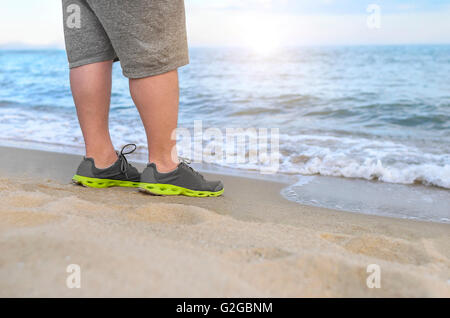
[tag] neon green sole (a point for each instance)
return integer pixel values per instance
(103, 183)
(168, 189)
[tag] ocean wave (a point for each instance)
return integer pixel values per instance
(355, 157)
(371, 169)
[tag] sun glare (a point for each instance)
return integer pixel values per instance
(261, 36)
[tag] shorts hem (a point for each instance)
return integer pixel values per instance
(91, 60)
(155, 71)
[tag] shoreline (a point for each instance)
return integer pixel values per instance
(251, 242)
(407, 201)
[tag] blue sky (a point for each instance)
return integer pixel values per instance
(258, 22)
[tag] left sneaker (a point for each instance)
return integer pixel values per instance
(120, 174)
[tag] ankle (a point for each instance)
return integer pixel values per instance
(165, 166)
(103, 159)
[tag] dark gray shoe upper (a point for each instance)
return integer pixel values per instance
(120, 170)
(183, 176)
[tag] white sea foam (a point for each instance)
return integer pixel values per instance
(351, 157)
(338, 166)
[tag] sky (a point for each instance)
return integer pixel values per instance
(262, 24)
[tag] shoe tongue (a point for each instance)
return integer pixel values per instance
(115, 164)
(111, 167)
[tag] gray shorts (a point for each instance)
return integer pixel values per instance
(147, 36)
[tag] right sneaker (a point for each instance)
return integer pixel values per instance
(120, 174)
(184, 180)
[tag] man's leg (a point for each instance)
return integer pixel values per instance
(157, 99)
(91, 90)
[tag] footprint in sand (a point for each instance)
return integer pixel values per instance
(256, 254)
(11, 219)
(23, 199)
(173, 214)
(74, 205)
(386, 248)
(25, 209)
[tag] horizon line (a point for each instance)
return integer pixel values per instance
(37, 47)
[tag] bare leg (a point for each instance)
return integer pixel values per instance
(91, 90)
(157, 98)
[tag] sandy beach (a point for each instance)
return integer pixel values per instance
(251, 242)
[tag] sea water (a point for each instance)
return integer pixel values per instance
(366, 113)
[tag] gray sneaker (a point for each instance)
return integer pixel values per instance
(184, 180)
(120, 174)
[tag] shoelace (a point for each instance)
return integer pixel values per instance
(184, 160)
(187, 163)
(124, 165)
